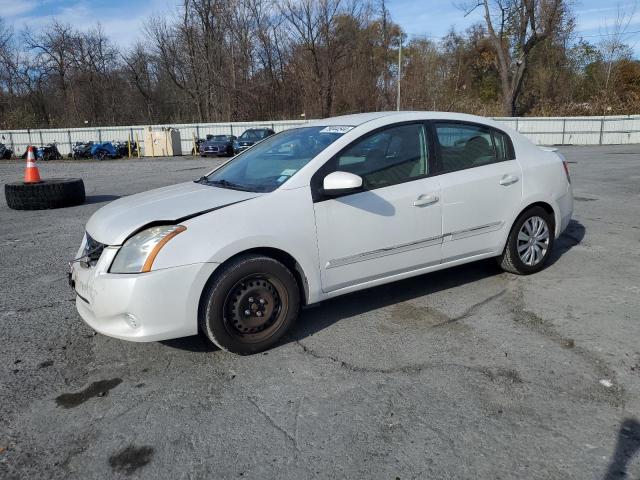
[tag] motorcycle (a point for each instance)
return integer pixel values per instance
(104, 150)
(5, 152)
(48, 152)
(81, 150)
(123, 148)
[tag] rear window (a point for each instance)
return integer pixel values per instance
(465, 146)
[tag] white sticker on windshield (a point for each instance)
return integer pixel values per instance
(336, 129)
(288, 172)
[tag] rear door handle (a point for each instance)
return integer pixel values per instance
(508, 180)
(425, 200)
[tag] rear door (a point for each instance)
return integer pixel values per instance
(480, 185)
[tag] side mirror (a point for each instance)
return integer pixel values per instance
(340, 183)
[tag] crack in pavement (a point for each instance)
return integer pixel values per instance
(291, 439)
(472, 309)
(493, 373)
(9, 312)
(545, 328)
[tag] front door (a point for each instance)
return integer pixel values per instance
(394, 224)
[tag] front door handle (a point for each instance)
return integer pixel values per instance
(425, 200)
(508, 180)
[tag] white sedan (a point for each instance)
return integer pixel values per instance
(314, 212)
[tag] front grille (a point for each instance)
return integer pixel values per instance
(93, 250)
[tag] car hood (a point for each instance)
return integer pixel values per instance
(115, 222)
(216, 143)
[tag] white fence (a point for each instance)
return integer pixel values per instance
(611, 130)
(19, 140)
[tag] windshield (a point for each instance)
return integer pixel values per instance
(253, 135)
(269, 164)
(220, 138)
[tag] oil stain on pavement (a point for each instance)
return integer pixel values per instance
(131, 459)
(96, 389)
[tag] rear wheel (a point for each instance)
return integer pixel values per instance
(530, 242)
(249, 304)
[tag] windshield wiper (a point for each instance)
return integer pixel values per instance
(227, 184)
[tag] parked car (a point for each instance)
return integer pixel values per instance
(217, 145)
(315, 212)
(5, 152)
(250, 137)
(48, 152)
(104, 150)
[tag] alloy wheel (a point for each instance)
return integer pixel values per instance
(533, 241)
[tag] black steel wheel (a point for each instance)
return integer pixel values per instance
(249, 304)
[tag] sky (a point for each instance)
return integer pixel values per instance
(122, 20)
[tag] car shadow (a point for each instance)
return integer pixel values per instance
(314, 319)
(100, 198)
(627, 446)
(327, 313)
(320, 316)
(194, 343)
(572, 236)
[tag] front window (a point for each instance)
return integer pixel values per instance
(269, 164)
(220, 138)
(394, 155)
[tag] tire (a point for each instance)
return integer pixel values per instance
(249, 304)
(51, 193)
(536, 250)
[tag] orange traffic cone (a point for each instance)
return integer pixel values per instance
(31, 173)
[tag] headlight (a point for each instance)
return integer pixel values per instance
(138, 253)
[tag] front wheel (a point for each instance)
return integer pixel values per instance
(249, 304)
(530, 242)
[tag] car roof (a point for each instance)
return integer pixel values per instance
(357, 119)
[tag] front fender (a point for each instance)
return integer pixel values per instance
(282, 220)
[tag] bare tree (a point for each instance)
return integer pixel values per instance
(613, 45)
(316, 25)
(516, 28)
(53, 48)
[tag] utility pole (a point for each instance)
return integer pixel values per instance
(399, 73)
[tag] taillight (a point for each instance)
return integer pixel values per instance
(566, 170)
